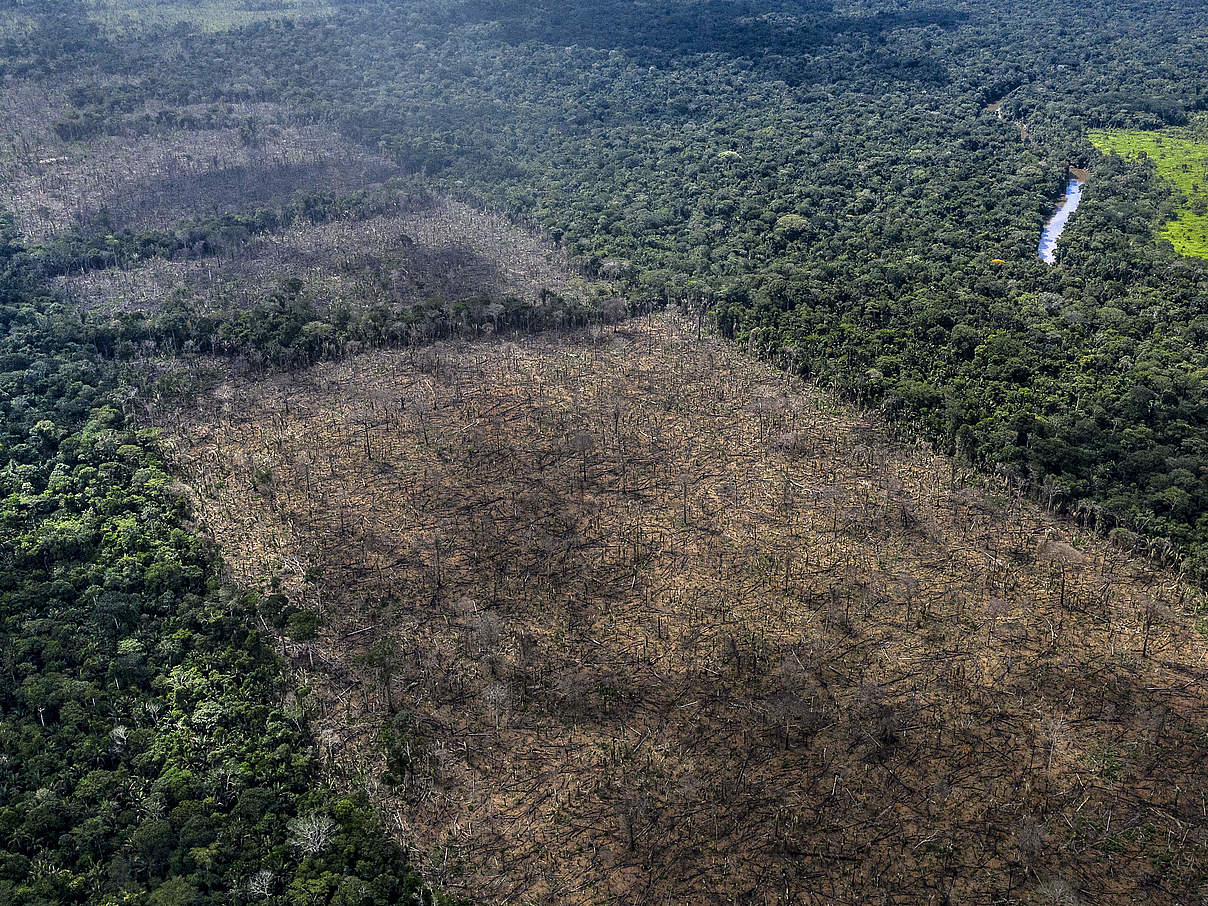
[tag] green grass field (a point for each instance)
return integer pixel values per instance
(1180, 156)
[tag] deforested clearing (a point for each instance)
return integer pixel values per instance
(119, 182)
(626, 617)
(434, 248)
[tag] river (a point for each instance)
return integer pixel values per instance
(1056, 225)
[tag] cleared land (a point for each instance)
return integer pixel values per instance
(28, 112)
(647, 622)
(418, 249)
(153, 181)
(441, 250)
(1180, 157)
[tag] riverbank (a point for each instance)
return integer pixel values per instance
(1047, 249)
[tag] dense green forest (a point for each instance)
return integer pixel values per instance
(854, 191)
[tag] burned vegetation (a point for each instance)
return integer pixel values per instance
(621, 616)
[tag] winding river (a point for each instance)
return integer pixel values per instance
(1055, 226)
